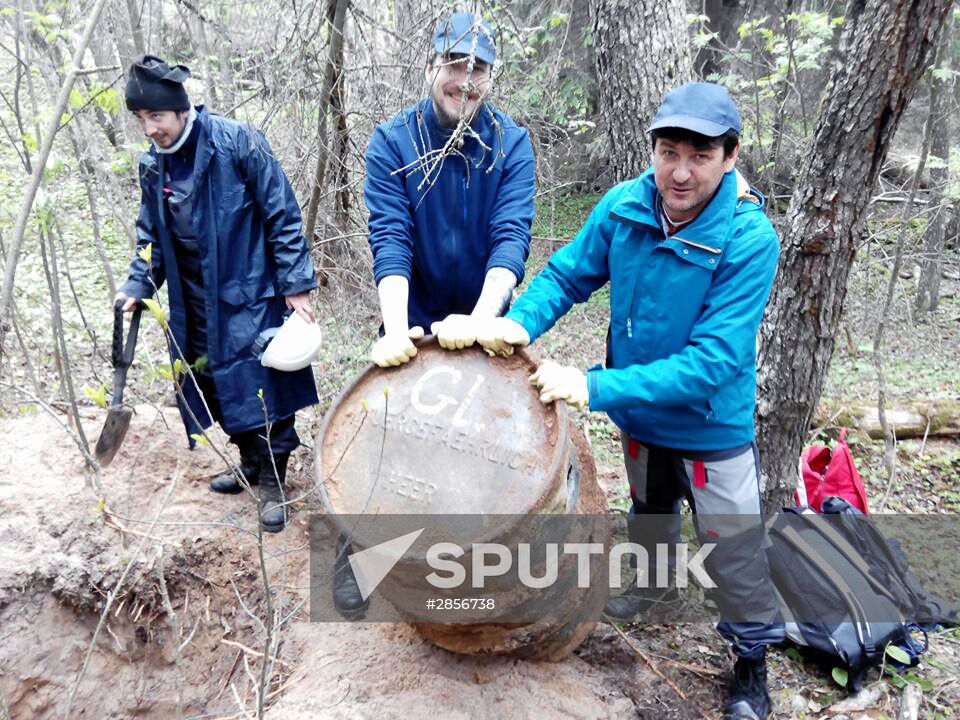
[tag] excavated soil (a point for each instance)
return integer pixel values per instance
(64, 552)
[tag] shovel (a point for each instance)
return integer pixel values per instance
(118, 418)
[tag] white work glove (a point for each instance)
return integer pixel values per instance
(561, 382)
(396, 349)
(499, 336)
(455, 332)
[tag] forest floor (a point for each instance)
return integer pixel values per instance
(63, 552)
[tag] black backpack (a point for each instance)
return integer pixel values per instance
(845, 590)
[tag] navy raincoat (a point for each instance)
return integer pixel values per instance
(253, 255)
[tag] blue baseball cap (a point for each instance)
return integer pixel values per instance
(702, 107)
(456, 34)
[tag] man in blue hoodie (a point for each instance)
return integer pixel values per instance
(449, 187)
(690, 258)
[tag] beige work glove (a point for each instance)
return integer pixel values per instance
(500, 335)
(396, 349)
(455, 332)
(561, 382)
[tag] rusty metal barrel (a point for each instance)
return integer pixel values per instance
(460, 433)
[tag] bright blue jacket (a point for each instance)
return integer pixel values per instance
(253, 254)
(684, 312)
(472, 214)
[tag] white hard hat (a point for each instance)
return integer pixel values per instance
(295, 345)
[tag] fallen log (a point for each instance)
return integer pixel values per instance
(930, 418)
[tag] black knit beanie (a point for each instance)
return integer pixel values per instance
(154, 85)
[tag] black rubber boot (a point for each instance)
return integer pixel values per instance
(346, 593)
(637, 600)
(273, 511)
(749, 698)
(228, 484)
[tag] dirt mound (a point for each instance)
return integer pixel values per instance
(195, 639)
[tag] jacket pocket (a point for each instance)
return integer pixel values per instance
(245, 311)
(727, 403)
(700, 255)
(237, 292)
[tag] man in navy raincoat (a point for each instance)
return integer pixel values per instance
(220, 225)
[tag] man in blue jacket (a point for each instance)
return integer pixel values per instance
(449, 187)
(219, 223)
(690, 258)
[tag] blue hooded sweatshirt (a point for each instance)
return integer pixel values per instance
(442, 223)
(684, 312)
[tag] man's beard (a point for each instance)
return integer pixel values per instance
(451, 120)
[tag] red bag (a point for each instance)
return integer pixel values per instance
(827, 473)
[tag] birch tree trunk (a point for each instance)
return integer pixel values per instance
(885, 47)
(642, 51)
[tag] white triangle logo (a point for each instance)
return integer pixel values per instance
(371, 566)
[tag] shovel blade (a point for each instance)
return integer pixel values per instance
(111, 437)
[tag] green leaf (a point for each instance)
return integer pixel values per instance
(99, 396)
(260, 393)
(898, 682)
(108, 100)
(840, 676)
(158, 312)
(77, 99)
(924, 684)
(795, 654)
(200, 439)
(146, 253)
(201, 364)
(165, 371)
(898, 654)
(179, 367)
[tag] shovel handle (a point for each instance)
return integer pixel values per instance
(123, 352)
(116, 352)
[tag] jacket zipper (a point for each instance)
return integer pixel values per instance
(636, 280)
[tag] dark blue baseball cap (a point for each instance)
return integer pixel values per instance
(456, 34)
(702, 107)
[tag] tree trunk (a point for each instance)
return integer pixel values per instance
(725, 17)
(135, 13)
(642, 51)
(910, 419)
(928, 285)
(885, 46)
(331, 94)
